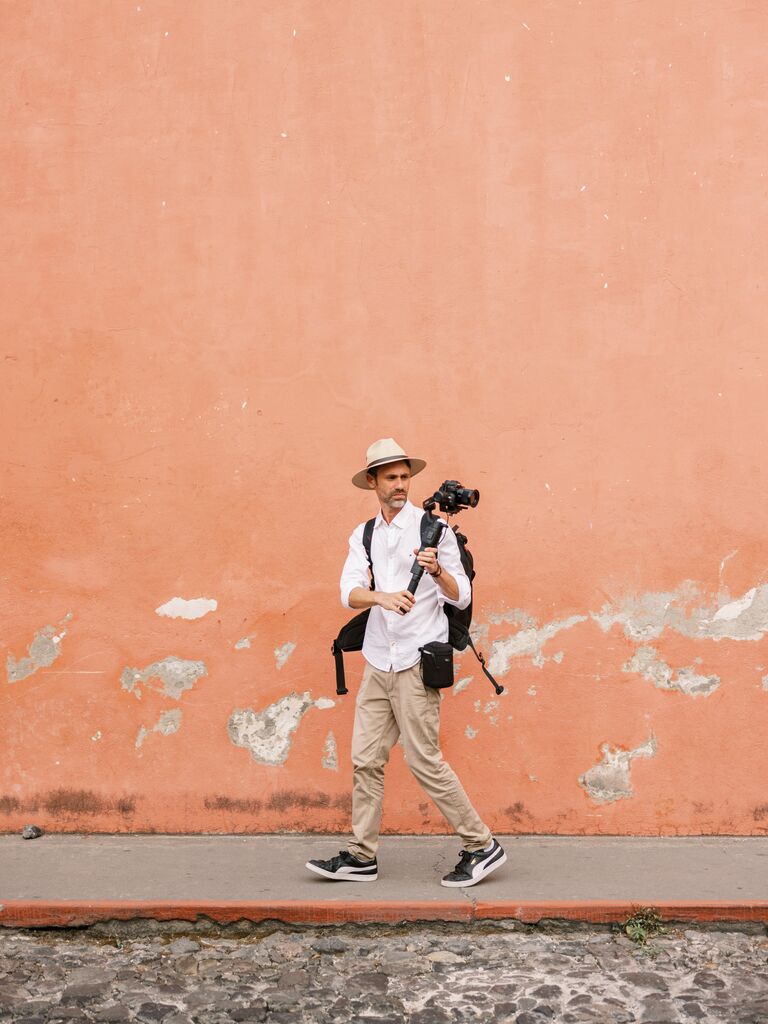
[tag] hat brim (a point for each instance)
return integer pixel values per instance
(361, 479)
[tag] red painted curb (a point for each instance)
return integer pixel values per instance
(77, 913)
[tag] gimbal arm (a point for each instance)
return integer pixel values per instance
(431, 540)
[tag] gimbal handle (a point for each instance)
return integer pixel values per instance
(431, 540)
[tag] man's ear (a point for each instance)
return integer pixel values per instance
(371, 481)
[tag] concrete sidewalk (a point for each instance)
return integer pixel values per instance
(59, 880)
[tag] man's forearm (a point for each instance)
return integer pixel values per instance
(362, 597)
(448, 585)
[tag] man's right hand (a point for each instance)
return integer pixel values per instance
(401, 602)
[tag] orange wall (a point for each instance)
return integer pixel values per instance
(241, 241)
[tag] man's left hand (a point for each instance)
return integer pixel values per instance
(427, 559)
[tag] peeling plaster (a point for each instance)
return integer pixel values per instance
(174, 674)
(168, 723)
(527, 642)
(330, 754)
(644, 617)
(647, 662)
(180, 608)
(268, 734)
(609, 780)
(282, 654)
(462, 684)
(41, 653)
(470, 733)
(765, 682)
(245, 643)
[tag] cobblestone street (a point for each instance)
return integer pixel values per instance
(418, 974)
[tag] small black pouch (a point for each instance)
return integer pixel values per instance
(437, 665)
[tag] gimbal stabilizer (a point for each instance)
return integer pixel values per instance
(452, 498)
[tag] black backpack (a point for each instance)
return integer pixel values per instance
(351, 636)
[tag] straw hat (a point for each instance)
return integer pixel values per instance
(379, 454)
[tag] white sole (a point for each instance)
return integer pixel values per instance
(465, 885)
(336, 877)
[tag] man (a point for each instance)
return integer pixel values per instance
(392, 701)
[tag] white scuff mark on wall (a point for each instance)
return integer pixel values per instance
(648, 663)
(268, 734)
(727, 559)
(168, 723)
(245, 642)
(462, 684)
(644, 617)
(558, 658)
(41, 653)
(527, 642)
(283, 653)
(181, 608)
(470, 733)
(609, 780)
(330, 754)
(96, 735)
(175, 675)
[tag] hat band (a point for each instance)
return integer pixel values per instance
(384, 461)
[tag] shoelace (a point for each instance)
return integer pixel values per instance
(464, 858)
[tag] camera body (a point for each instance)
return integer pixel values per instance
(451, 498)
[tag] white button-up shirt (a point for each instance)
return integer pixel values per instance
(392, 641)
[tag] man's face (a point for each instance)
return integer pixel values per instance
(391, 484)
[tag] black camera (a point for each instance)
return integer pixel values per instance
(452, 498)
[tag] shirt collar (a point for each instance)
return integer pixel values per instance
(402, 518)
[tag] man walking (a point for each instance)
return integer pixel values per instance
(393, 701)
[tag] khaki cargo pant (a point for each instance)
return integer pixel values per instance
(397, 704)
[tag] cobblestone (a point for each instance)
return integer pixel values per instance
(413, 975)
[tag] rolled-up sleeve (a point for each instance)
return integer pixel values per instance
(355, 571)
(450, 559)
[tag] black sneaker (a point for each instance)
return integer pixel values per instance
(473, 867)
(345, 868)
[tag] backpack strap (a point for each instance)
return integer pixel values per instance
(499, 689)
(367, 538)
(338, 657)
(351, 636)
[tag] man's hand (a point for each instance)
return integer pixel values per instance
(401, 602)
(427, 559)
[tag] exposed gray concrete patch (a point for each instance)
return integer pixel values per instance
(609, 780)
(168, 723)
(245, 643)
(647, 663)
(330, 753)
(175, 675)
(268, 734)
(491, 710)
(765, 682)
(527, 642)
(470, 733)
(644, 617)
(41, 653)
(181, 608)
(283, 653)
